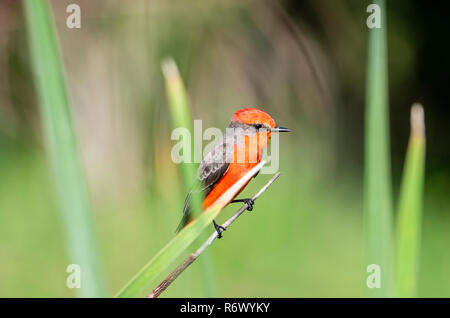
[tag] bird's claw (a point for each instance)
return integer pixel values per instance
(219, 229)
(250, 203)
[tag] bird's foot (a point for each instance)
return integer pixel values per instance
(250, 202)
(219, 229)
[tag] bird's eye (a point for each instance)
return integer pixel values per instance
(258, 126)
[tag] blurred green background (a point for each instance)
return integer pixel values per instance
(304, 62)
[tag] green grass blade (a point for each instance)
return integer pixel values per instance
(182, 241)
(377, 180)
(56, 118)
(181, 117)
(410, 208)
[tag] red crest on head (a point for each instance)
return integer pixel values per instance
(252, 116)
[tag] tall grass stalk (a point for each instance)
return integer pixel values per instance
(409, 212)
(57, 124)
(181, 117)
(377, 179)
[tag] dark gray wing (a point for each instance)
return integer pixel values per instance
(210, 171)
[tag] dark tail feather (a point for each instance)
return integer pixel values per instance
(186, 213)
(184, 221)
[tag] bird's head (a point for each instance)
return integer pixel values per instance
(256, 118)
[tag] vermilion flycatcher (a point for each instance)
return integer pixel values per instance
(238, 152)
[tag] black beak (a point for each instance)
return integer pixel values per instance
(280, 129)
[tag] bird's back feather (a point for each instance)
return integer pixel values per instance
(211, 170)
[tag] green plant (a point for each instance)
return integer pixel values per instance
(57, 124)
(181, 117)
(409, 214)
(377, 180)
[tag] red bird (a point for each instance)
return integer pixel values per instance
(238, 152)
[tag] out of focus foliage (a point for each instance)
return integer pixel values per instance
(304, 62)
